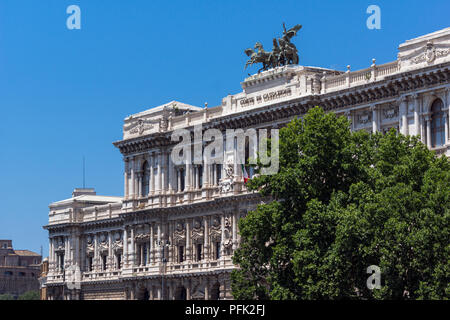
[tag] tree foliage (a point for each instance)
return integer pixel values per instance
(343, 201)
(6, 296)
(30, 295)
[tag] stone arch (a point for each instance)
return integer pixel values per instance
(215, 291)
(143, 294)
(430, 99)
(438, 123)
(181, 293)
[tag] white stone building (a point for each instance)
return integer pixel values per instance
(172, 234)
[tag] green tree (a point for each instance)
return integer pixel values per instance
(30, 295)
(343, 201)
(6, 296)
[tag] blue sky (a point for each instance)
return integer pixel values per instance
(64, 93)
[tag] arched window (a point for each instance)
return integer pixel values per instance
(145, 179)
(437, 124)
(146, 295)
(180, 293)
(215, 291)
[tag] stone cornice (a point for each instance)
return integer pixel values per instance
(390, 87)
(156, 214)
(194, 209)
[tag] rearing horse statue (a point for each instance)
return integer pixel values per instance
(284, 51)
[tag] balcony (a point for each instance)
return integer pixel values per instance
(170, 198)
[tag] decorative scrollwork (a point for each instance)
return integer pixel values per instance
(390, 113)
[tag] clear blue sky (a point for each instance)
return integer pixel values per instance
(64, 93)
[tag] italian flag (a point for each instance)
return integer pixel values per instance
(244, 173)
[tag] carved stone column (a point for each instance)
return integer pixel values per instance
(171, 227)
(132, 253)
(137, 184)
(160, 244)
(159, 293)
(152, 173)
(206, 238)
(51, 254)
(222, 240)
(131, 186)
(206, 174)
(159, 177)
(374, 110)
(55, 255)
(150, 290)
(188, 239)
(110, 252)
(445, 128)
(172, 176)
(163, 172)
(126, 191)
(416, 114)
(206, 281)
(140, 176)
(152, 245)
(125, 246)
(447, 105)
(403, 109)
(234, 228)
(188, 289)
(171, 295)
(132, 296)
(428, 122)
(95, 267)
(187, 178)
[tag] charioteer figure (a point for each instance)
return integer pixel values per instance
(284, 52)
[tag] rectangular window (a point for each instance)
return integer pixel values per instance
(218, 173)
(217, 250)
(199, 252)
(62, 261)
(104, 262)
(180, 254)
(182, 177)
(200, 177)
(144, 252)
(90, 263)
(119, 261)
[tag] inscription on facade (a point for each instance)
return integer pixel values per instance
(266, 97)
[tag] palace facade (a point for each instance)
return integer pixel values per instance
(173, 233)
(19, 270)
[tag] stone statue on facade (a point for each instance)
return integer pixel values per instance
(226, 184)
(284, 52)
